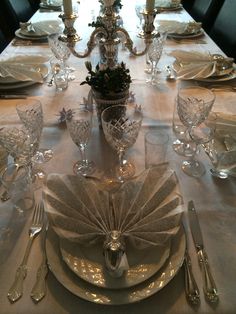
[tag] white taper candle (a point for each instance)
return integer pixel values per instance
(67, 4)
(150, 4)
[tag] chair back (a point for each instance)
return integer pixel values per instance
(205, 11)
(223, 31)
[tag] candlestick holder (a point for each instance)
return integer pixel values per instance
(108, 34)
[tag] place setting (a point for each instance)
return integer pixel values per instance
(202, 66)
(22, 71)
(181, 30)
(37, 32)
(50, 5)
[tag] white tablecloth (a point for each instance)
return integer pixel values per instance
(214, 198)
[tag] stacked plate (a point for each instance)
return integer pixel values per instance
(81, 270)
(22, 71)
(168, 5)
(39, 31)
(52, 5)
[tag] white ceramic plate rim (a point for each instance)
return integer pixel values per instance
(91, 269)
(104, 296)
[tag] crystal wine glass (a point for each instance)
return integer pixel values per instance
(193, 105)
(121, 125)
(61, 51)
(30, 113)
(183, 145)
(154, 54)
(79, 125)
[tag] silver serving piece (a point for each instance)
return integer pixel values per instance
(209, 286)
(109, 34)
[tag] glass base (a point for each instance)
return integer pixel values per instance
(178, 147)
(126, 171)
(84, 168)
(42, 155)
(193, 168)
(219, 174)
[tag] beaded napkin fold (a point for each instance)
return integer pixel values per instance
(23, 68)
(199, 65)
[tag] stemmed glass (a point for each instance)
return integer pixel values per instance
(60, 51)
(30, 113)
(121, 125)
(154, 54)
(183, 145)
(193, 106)
(79, 125)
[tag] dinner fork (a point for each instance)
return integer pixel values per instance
(16, 290)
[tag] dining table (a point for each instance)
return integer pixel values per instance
(214, 198)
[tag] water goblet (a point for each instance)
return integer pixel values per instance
(30, 113)
(79, 125)
(121, 125)
(154, 54)
(16, 179)
(193, 105)
(61, 51)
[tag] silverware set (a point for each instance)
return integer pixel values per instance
(38, 292)
(209, 286)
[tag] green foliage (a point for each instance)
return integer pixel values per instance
(106, 80)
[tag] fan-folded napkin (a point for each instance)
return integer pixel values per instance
(146, 210)
(23, 68)
(194, 64)
(176, 27)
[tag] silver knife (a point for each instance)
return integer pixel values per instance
(19, 96)
(209, 286)
(191, 288)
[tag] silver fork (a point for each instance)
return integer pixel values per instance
(16, 290)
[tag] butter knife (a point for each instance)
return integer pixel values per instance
(209, 286)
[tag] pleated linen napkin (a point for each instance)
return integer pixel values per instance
(23, 68)
(167, 3)
(181, 28)
(198, 65)
(146, 211)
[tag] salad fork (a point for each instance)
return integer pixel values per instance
(16, 290)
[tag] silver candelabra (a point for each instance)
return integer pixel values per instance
(109, 34)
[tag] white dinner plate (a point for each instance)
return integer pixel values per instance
(99, 295)
(88, 264)
(8, 83)
(21, 36)
(186, 36)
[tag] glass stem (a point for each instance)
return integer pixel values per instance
(83, 155)
(121, 157)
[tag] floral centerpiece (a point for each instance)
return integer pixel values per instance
(110, 86)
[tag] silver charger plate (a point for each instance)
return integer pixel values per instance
(87, 262)
(105, 296)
